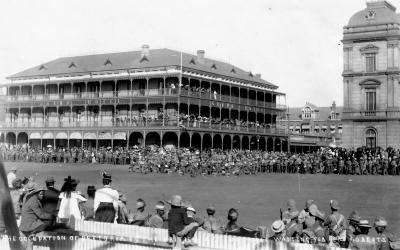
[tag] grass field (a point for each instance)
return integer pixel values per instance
(258, 198)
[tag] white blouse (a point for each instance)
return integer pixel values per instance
(70, 206)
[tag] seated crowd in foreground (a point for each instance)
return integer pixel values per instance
(43, 209)
(155, 159)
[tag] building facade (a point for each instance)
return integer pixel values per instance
(144, 97)
(311, 127)
(371, 105)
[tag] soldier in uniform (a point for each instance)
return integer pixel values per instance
(157, 220)
(336, 223)
(382, 240)
(361, 239)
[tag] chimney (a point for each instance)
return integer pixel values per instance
(258, 75)
(145, 50)
(333, 105)
(200, 56)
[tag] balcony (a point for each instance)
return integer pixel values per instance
(370, 114)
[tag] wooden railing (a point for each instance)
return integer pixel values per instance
(98, 235)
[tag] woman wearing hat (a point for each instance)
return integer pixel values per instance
(70, 200)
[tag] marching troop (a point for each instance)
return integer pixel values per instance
(155, 159)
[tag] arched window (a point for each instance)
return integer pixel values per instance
(370, 137)
(307, 113)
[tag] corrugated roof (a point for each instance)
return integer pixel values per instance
(134, 60)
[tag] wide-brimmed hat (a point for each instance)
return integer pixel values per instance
(380, 222)
(72, 181)
(176, 200)
(140, 203)
(189, 207)
(364, 223)
(309, 203)
(334, 205)
(30, 186)
(50, 179)
(354, 216)
(314, 211)
(291, 204)
(277, 226)
(160, 205)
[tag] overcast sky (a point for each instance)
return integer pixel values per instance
(294, 44)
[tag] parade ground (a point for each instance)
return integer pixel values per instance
(258, 198)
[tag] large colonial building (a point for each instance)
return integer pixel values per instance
(145, 97)
(311, 127)
(371, 112)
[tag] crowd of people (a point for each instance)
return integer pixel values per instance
(167, 160)
(40, 209)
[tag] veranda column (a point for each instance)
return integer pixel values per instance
(273, 144)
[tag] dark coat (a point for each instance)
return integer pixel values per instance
(32, 215)
(177, 219)
(50, 200)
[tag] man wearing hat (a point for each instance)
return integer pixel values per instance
(106, 201)
(33, 218)
(278, 227)
(382, 240)
(211, 223)
(158, 219)
(361, 239)
(50, 196)
(354, 219)
(336, 222)
(178, 220)
(291, 211)
(314, 232)
(139, 216)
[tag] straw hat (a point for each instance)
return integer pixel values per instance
(277, 226)
(364, 223)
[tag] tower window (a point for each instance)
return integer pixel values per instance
(370, 62)
(370, 100)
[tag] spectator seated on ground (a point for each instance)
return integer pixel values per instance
(179, 224)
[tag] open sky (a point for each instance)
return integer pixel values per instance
(293, 44)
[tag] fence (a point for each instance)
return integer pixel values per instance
(97, 235)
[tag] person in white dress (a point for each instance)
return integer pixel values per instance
(70, 200)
